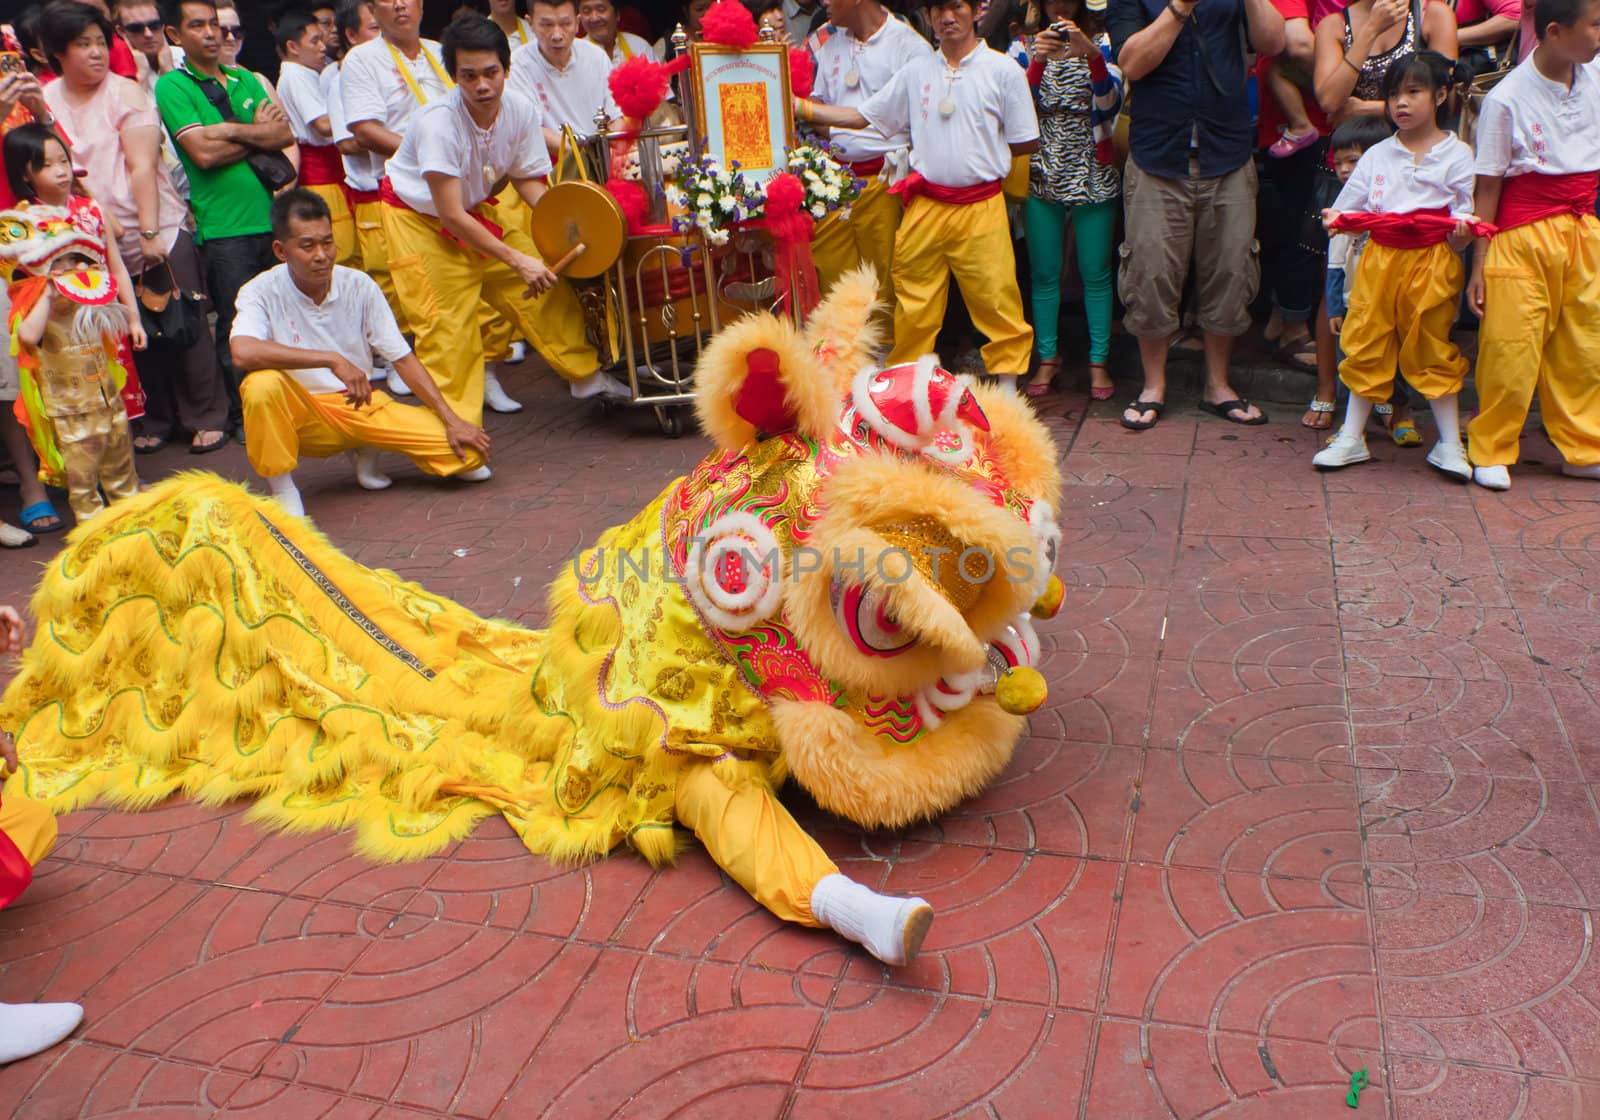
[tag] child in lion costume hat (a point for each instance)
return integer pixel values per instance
(839, 593)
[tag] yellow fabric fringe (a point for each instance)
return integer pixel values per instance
(195, 640)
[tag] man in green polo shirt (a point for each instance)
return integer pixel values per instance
(231, 207)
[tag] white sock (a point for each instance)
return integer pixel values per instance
(476, 474)
(494, 394)
(1356, 415)
(889, 928)
(287, 494)
(367, 472)
(28, 1028)
(1447, 417)
(598, 383)
(519, 352)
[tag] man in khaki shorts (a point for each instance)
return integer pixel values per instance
(1190, 195)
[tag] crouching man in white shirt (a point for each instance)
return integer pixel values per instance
(306, 332)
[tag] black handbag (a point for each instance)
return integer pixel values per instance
(273, 168)
(174, 317)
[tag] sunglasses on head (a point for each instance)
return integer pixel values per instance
(233, 32)
(149, 27)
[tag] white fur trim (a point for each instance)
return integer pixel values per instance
(735, 610)
(922, 397)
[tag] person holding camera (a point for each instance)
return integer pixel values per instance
(1190, 191)
(227, 131)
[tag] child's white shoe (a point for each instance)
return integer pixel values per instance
(398, 386)
(1492, 478)
(476, 474)
(1344, 451)
(367, 472)
(1450, 457)
(1571, 470)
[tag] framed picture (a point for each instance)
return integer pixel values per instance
(743, 110)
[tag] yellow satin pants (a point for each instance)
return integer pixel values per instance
(753, 838)
(29, 824)
(866, 237)
(439, 282)
(971, 242)
(283, 422)
(1541, 330)
(1402, 307)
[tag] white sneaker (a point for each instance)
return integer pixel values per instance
(477, 474)
(398, 387)
(598, 384)
(367, 472)
(1344, 451)
(1450, 457)
(1573, 471)
(519, 353)
(494, 396)
(891, 929)
(1492, 478)
(28, 1028)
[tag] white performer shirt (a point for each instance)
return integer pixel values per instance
(374, 89)
(362, 170)
(629, 45)
(1531, 124)
(522, 36)
(990, 108)
(444, 139)
(567, 96)
(1390, 180)
(300, 90)
(850, 71)
(353, 320)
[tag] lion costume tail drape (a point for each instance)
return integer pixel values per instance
(198, 640)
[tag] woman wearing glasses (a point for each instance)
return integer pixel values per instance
(232, 40)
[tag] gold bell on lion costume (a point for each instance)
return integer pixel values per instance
(839, 593)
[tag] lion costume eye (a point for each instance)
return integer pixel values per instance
(863, 613)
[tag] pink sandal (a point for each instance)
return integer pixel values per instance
(1288, 144)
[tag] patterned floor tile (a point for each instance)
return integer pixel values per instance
(1298, 966)
(1242, 814)
(1161, 1073)
(1482, 835)
(1414, 639)
(1256, 505)
(1095, 698)
(1058, 795)
(891, 1052)
(81, 1080)
(1425, 1090)
(1250, 710)
(1545, 521)
(1508, 985)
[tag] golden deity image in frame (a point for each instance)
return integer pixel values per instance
(744, 112)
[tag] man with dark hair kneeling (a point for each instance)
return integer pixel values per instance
(306, 331)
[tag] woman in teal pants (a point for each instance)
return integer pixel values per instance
(1073, 177)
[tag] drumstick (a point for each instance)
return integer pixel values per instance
(560, 266)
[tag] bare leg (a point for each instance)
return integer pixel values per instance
(1153, 356)
(21, 452)
(1219, 351)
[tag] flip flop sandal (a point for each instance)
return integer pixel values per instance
(208, 448)
(1321, 408)
(13, 537)
(1405, 434)
(1222, 408)
(1157, 407)
(150, 448)
(35, 516)
(1301, 355)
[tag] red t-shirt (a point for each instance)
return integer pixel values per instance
(1271, 116)
(122, 58)
(1469, 12)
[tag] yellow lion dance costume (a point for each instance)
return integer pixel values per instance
(838, 593)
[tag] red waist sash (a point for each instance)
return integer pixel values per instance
(1416, 229)
(867, 168)
(914, 185)
(387, 194)
(321, 166)
(1525, 199)
(357, 198)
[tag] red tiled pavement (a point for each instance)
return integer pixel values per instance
(1314, 792)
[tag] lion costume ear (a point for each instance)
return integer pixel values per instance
(757, 378)
(842, 331)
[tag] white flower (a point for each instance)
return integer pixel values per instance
(844, 214)
(675, 196)
(818, 210)
(726, 201)
(717, 236)
(702, 200)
